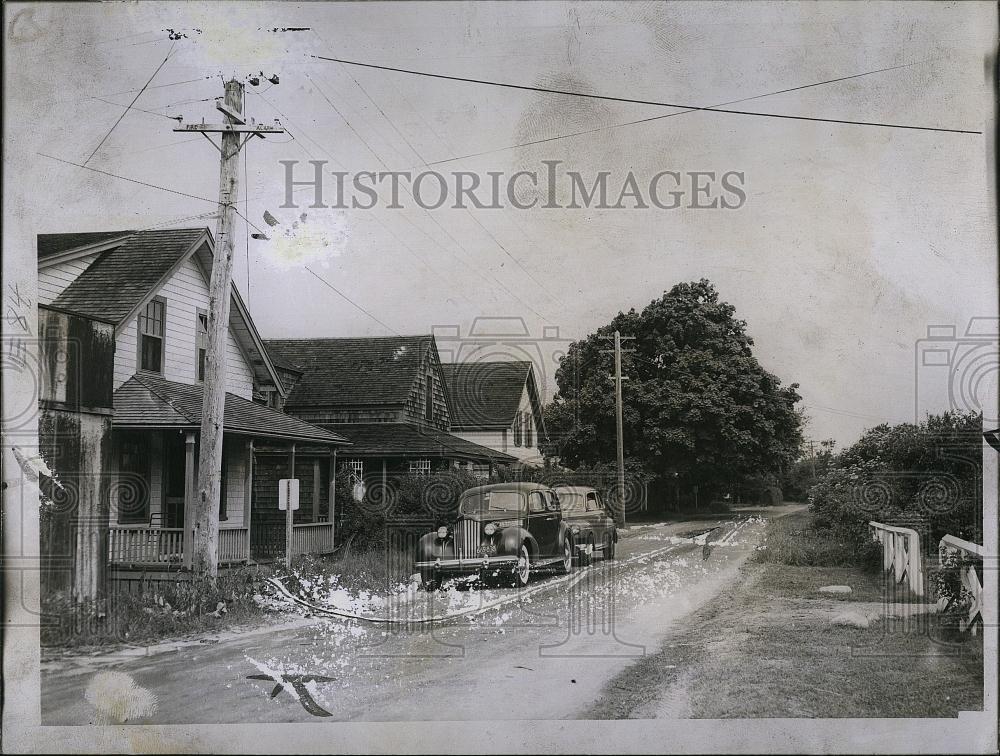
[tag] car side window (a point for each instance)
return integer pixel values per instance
(593, 505)
(535, 502)
(553, 501)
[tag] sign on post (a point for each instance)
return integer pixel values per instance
(288, 502)
(288, 494)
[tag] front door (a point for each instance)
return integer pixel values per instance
(173, 490)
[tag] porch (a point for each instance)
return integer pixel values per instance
(155, 445)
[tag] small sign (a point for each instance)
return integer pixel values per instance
(358, 492)
(288, 494)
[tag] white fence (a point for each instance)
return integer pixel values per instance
(900, 554)
(971, 584)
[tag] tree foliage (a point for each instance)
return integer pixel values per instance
(698, 406)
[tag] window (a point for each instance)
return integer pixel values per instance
(528, 438)
(592, 504)
(151, 327)
(429, 400)
(481, 471)
(535, 502)
(420, 467)
(133, 480)
(517, 429)
(201, 343)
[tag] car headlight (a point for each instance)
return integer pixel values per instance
(491, 528)
(443, 531)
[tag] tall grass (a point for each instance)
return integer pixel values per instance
(796, 540)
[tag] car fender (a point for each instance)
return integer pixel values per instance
(430, 547)
(566, 531)
(512, 538)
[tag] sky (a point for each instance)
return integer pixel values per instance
(851, 242)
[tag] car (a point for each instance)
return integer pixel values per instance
(503, 531)
(591, 524)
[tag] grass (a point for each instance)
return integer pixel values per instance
(766, 647)
(376, 569)
(794, 540)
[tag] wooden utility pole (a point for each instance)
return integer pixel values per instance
(618, 378)
(203, 523)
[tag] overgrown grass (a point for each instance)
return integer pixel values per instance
(166, 610)
(796, 540)
(376, 569)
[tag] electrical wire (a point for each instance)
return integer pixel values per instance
(636, 101)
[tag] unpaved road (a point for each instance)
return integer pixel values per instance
(545, 653)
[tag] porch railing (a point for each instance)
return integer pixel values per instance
(972, 587)
(312, 538)
(165, 546)
(146, 545)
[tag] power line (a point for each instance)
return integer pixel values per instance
(669, 115)
(132, 107)
(126, 178)
(138, 95)
(351, 301)
(635, 101)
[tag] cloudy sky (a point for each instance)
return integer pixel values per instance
(851, 242)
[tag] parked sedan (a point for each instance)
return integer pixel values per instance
(504, 531)
(591, 525)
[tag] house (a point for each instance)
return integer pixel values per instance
(145, 293)
(496, 404)
(387, 396)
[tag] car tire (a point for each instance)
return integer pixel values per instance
(609, 548)
(566, 565)
(522, 570)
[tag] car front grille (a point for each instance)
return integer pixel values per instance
(467, 539)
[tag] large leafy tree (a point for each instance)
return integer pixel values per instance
(699, 410)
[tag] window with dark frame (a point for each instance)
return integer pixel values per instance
(517, 429)
(151, 330)
(201, 343)
(528, 438)
(429, 400)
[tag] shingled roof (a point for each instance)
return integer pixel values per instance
(114, 284)
(485, 394)
(149, 401)
(351, 371)
(50, 245)
(412, 441)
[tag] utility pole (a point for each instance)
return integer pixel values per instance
(618, 378)
(201, 527)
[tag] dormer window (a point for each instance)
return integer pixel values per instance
(201, 346)
(151, 330)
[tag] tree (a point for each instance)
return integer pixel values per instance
(699, 410)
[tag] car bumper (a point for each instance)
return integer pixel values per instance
(466, 566)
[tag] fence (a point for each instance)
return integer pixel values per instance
(900, 554)
(972, 587)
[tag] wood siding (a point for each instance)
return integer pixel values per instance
(53, 279)
(186, 292)
(416, 402)
(494, 439)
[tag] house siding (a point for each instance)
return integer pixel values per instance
(416, 402)
(54, 278)
(494, 439)
(186, 292)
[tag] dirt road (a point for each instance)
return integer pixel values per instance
(546, 652)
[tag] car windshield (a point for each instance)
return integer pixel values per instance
(481, 502)
(572, 501)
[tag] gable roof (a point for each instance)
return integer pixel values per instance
(130, 268)
(50, 245)
(377, 370)
(487, 394)
(117, 282)
(149, 401)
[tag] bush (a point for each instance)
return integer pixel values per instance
(800, 542)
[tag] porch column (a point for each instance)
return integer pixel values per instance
(289, 514)
(248, 493)
(190, 482)
(316, 487)
(331, 509)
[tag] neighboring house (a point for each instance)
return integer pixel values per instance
(384, 394)
(147, 291)
(496, 404)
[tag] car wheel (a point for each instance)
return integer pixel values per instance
(586, 556)
(609, 548)
(522, 570)
(566, 565)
